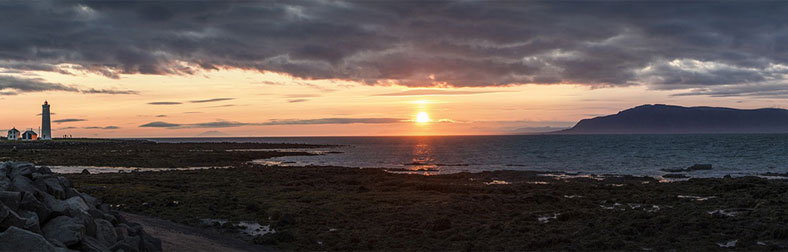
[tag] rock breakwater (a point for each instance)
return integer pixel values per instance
(40, 211)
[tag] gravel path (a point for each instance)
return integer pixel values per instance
(178, 237)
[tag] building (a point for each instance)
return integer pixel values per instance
(13, 134)
(29, 135)
(46, 128)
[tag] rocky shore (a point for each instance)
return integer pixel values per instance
(40, 211)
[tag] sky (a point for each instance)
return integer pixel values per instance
(122, 68)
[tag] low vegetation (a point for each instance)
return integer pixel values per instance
(333, 208)
(140, 153)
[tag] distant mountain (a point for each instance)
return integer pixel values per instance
(668, 119)
(538, 130)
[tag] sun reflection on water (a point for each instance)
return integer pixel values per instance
(423, 158)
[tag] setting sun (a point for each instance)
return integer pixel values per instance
(423, 117)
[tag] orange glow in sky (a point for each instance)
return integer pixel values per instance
(233, 102)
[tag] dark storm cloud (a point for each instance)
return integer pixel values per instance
(68, 120)
(775, 91)
(675, 45)
(10, 85)
(20, 85)
(212, 100)
(228, 124)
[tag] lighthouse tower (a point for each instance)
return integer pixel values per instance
(46, 128)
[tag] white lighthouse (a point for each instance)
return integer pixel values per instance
(46, 128)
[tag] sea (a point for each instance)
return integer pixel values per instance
(641, 155)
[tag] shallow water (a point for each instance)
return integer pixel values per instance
(245, 227)
(110, 169)
(737, 155)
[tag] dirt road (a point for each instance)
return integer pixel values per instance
(178, 237)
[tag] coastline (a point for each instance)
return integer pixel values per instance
(342, 208)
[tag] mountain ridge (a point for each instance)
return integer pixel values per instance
(672, 119)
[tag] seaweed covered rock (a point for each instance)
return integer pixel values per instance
(40, 211)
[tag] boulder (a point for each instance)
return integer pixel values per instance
(90, 200)
(150, 244)
(122, 247)
(695, 167)
(65, 230)
(22, 184)
(111, 219)
(21, 169)
(122, 232)
(5, 183)
(55, 205)
(76, 204)
(134, 228)
(50, 185)
(65, 182)
(105, 232)
(12, 219)
(40, 211)
(37, 175)
(90, 244)
(96, 214)
(44, 170)
(29, 202)
(71, 192)
(11, 199)
(17, 239)
(4, 212)
(32, 222)
(85, 172)
(5, 167)
(131, 243)
(85, 219)
(119, 217)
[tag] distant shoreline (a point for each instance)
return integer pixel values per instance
(139, 153)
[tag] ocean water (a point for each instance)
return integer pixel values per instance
(646, 155)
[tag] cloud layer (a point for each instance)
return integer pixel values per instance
(228, 124)
(11, 85)
(68, 120)
(212, 100)
(679, 45)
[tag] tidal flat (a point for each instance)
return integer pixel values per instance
(337, 208)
